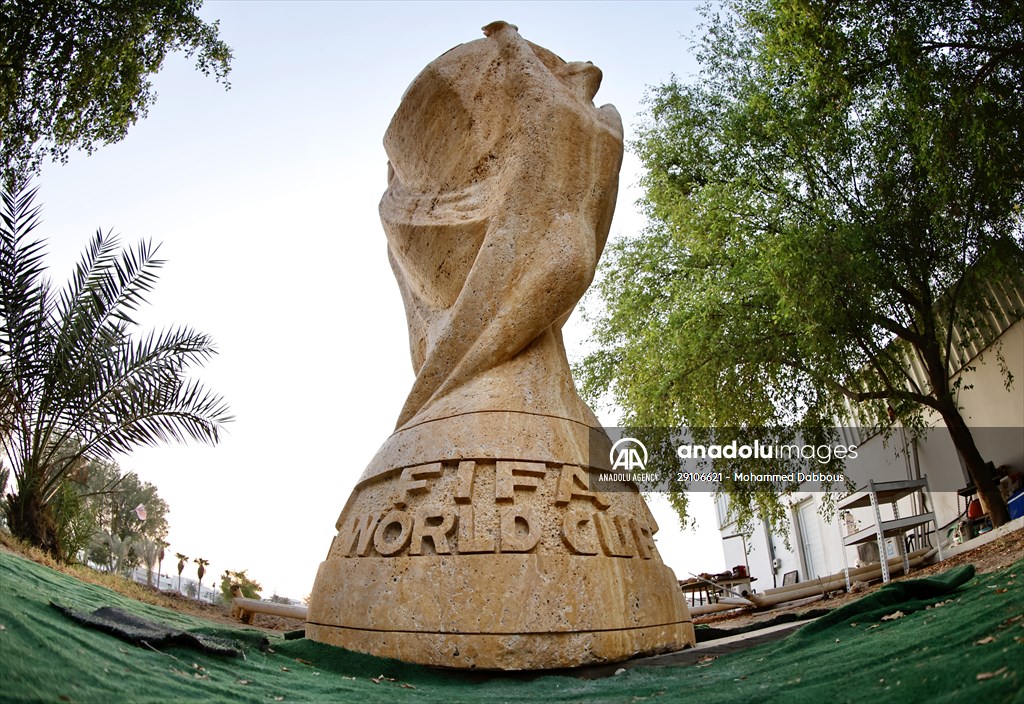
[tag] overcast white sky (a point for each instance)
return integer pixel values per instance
(265, 199)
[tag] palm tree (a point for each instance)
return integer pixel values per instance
(148, 549)
(74, 381)
(182, 559)
(202, 571)
(120, 550)
(160, 560)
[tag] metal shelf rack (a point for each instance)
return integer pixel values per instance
(877, 493)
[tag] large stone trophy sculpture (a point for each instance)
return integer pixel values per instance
(473, 538)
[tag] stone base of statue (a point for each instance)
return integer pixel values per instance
(478, 560)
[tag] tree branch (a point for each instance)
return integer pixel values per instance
(861, 396)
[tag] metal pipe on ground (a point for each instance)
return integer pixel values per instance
(836, 581)
(856, 573)
(803, 590)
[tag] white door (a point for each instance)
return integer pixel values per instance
(811, 547)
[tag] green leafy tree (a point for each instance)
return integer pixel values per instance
(5, 476)
(74, 520)
(75, 381)
(76, 73)
(836, 198)
(250, 588)
(113, 499)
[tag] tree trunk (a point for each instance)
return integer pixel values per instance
(981, 476)
(963, 440)
(32, 521)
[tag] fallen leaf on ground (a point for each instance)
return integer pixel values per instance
(406, 685)
(985, 641)
(893, 616)
(990, 675)
(303, 661)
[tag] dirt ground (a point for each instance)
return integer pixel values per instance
(143, 593)
(222, 614)
(986, 558)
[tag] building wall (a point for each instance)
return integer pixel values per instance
(996, 417)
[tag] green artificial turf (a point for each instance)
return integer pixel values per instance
(965, 645)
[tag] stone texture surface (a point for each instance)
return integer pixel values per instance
(473, 538)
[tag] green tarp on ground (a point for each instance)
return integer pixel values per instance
(915, 641)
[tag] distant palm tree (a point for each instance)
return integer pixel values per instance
(182, 559)
(160, 560)
(120, 549)
(75, 382)
(202, 571)
(148, 549)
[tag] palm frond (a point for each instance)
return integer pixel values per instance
(140, 396)
(22, 283)
(108, 285)
(23, 312)
(75, 380)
